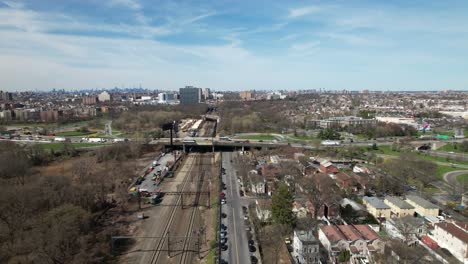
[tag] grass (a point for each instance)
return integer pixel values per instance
(450, 148)
(442, 169)
(463, 178)
(387, 150)
(258, 137)
(60, 146)
(442, 159)
(73, 133)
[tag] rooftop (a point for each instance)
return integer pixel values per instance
(336, 233)
(398, 202)
(455, 230)
(421, 202)
(375, 202)
(305, 236)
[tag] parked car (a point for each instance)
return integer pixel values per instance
(253, 260)
(252, 249)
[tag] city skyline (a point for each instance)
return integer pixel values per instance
(229, 45)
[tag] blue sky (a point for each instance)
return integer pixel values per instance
(234, 45)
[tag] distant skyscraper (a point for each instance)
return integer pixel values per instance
(190, 95)
(206, 93)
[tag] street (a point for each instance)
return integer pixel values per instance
(237, 241)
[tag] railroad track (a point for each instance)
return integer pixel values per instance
(185, 252)
(157, 253)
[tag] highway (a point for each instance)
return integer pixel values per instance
(237, 242)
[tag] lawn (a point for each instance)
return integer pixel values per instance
(258, 137)
(441, 170)
(387, 150)
(463, 178)
(450, 148)
(60, 146)
(442, 159)
(73, 133)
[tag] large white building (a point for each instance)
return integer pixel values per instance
(305, 247)
(453, 237)
(104, 97)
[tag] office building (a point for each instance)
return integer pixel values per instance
(190, 95)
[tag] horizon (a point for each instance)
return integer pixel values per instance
(234, 46)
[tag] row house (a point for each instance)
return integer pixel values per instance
(454, 237)
(360, 240)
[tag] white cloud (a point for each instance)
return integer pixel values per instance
(132, 4)
(303, 11)
(13, 4)
(305, 46)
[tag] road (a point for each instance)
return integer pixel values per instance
(451, 177)
(238, 251)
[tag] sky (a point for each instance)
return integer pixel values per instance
(234, 45)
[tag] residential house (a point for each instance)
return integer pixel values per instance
(306, 248)
(361, 240)
(408, 228)
(399, 207)
(329, 209)
(257, 182)
(377, 207)
(327, 167)
(344, 181)
(422, 207)
(263, 209)
(453, 237)
(269, 171)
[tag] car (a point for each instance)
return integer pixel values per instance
(223, 215)
(247, 228)
(246, 217)
(244, 208)
(222, 194)
(241, 193)
(223, 261)
(223, 227)
(251, 242)
(224, 247)
(252, 249)
(253, 260)
(223, 234)
(223, 240)
(223, 202)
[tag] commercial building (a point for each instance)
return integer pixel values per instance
(246, 95)
(89, 100)
(190, 95)
(453, 237)
(399, 207)
(376, 207)
(421, 206)
(104, 97)
(6, 96)
(343, 121)
(306, 247)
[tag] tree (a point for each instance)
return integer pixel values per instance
(344, 256)
(281, 205)
(464, 146)
(318, 189)
(329, 133)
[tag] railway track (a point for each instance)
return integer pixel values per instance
(158, 250)
(187, 241)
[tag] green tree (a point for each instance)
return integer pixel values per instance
(281, 206)
(344, 256)
(329, 133)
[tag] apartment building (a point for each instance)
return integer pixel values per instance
(399, 207)
(306, 248)
(421, 206)
(377, 207)
(453, 237)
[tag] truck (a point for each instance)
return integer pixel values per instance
(96, 140)
(330, 143)
(60, 139)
